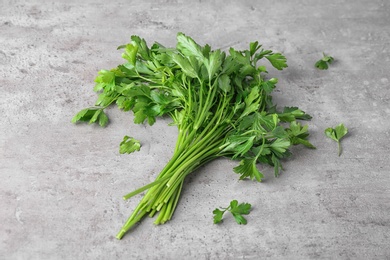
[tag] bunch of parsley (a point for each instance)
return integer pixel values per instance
(220, 102)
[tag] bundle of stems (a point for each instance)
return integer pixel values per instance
(220, 102)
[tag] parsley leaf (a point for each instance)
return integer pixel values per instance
(336, 134)
(290, 114)
(129, 145)
(218, 214)
(248, 169)
(277, 60)
(130, 53)
(323, 63)
(91, 115)
(298, 134)
(188, 46)
(237, 210)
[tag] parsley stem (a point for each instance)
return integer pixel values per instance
(132, 220)
(339, 146)
(137, 191)
(199, 148)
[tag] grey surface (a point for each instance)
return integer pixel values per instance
(61, 184)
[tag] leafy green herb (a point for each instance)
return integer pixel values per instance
(336, 134)
(323, 63)
(129, 145)
(220, 102)
(91, 115)
(237, 211)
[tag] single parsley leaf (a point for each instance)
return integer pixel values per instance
(84, 115)
(129, 145)
(240, 219)
(269, 85)
(218, 214)
(336, 134)
(91, 115)
(280, 145)
(323, 63)
(243, 208)
(105, 100)
(239, 144)
(277, 60)
(290, 114)
(130, 53)
(214, 62)
(185, 65)
(103, 119)
(237, 210)
(248, 169)
(254, 47)
(277, 165)
(188, 46)
(251, 102)
(224, 83)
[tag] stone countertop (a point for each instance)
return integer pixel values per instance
(62, 184)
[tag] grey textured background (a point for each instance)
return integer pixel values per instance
(61, 184)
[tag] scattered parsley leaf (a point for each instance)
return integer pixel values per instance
(218, 214)
(336, 134)
(129, 145)
(323, 63)
(237, 210)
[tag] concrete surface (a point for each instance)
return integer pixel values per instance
(61, 184)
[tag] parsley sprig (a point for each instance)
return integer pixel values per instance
(323, 63)
(336, 134)
(237, 210)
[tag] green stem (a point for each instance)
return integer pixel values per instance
(206, 106)
(163, 197)
(143, 188)
(176, 199)
(193, 149)
(198, 149)
(339, 145)
(131, 221)
(193, 163)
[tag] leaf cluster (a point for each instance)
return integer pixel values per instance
(200, 88)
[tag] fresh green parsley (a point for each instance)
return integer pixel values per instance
(323, 63)
(336, 134)
(237, 210)
(220, 102)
